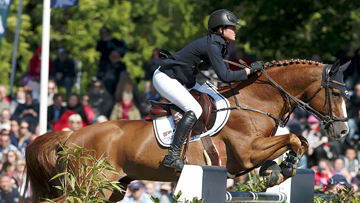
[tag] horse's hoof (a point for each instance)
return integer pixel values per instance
(268, 167)
(287, 169)
(273, 178)
(178, 165)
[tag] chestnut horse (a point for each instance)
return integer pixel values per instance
(246, 139)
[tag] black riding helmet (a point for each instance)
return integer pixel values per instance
(222, 18)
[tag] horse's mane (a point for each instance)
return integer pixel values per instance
(291, 62)
(280, 63)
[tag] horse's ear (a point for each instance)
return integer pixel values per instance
(345, 66)
(335, 68)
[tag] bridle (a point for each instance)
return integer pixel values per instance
(327, 120)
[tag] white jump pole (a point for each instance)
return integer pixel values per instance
(45, 46)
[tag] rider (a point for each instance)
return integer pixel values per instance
(179, 69)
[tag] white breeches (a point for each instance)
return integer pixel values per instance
(176, 93)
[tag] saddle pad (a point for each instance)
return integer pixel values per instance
(164, 128)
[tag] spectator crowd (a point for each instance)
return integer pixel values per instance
(114, 95)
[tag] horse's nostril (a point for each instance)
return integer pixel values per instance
(344, 132)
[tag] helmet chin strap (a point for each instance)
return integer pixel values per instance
(222, 35)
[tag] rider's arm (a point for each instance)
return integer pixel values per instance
(222, 69)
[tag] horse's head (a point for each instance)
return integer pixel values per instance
(328, 101)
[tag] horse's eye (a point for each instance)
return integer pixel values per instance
(336, 94)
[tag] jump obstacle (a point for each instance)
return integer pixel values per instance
(209, 183)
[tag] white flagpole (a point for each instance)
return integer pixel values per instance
(16, 45)
(44, 66)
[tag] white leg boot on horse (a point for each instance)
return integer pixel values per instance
(172, 158)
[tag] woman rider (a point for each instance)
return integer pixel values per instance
(178, 70)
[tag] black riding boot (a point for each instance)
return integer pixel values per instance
(172, 158)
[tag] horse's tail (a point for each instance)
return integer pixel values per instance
(42, 165)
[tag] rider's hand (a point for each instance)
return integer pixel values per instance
(256, 67)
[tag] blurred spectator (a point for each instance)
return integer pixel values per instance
(301, 115)
(55, 110)
(318, 142)
(125, 108)
(137, 194)
(10, 163)
(111, 73)
(355, 181)
(336, 183)
(19, 99)
(151, 190)
(150, 68)
(34, 88)
(239, 54)
(99, 99)
(19, 173)
(294, 125)
(351, 163)
(3, 103)
(152, 65)
(323, 172)
(35, 133)
(52, 90)
(7, 193)
(75, 122)
(124, 83)
(355, 99)
(106, 45)
(3, 92)
(14, 127)
(35, 68)
(339, 168)
(165, 191)
(28, 111)
(64, 71)
(6, 145)
(22, 139)
(5, 116)
(74, 105)
(88, 110)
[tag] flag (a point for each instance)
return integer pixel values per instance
(4, 10)
(63, 3)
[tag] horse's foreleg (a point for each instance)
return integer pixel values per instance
(269, 148)
(289, 165)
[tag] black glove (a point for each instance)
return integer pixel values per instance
(256, 67)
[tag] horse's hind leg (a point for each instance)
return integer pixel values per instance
(269, 148)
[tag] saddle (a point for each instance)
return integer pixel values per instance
(204, 123)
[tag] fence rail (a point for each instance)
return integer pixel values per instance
(255, 197)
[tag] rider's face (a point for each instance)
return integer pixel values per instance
(230, 33)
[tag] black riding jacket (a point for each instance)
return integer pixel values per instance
(211, 49)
